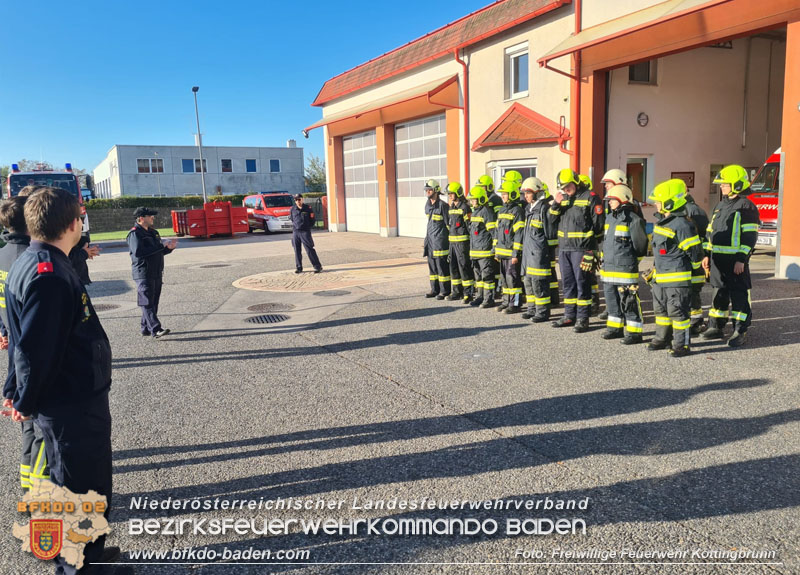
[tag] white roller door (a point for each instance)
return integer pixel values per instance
(420, 154)
(361, 183)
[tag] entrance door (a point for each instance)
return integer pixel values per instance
(421, 154)
(636, 171)
(361, 183)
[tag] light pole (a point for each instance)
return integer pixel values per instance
(199, 143)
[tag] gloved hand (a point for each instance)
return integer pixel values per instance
(649, 275)
(587, 263)
(598, 262)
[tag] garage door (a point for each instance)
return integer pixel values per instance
(421, 154)
(361, 183)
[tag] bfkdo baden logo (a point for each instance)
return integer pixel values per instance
(46, 537)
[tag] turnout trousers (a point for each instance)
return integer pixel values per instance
(697, 304)
(576, 285)
(672, 308)
(484, 277)
(439, 270)
(461, 269)
(148, 294)
(511, 282)
(624, 308)
(33, 464)
(537, 294)
(740, 313)
(554, 294)
(77, 440)
(302, 238)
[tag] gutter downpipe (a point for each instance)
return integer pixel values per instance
(466, 117)
(576, 93)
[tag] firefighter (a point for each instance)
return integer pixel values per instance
(616, 177)
(482, 224)
(580, 224)
(508, 242)
(698, 217)
(540, 228)
(437, 245)
(729, 243)
(495, 202)
(555, 299)
(587, 183)
(677, 250)
(460, 265)
(624, 245)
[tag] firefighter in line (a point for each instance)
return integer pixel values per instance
(677, 250)
(495, 203)
(587, 183)
(698, 217)
(540, 228)
(615, 177)
(436, 244)
(460, 265)
(729, 244)
(482, 223)
(555, 299)
(581, 222)
(508, 241)
(624, 245)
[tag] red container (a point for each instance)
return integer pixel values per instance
(214, 219)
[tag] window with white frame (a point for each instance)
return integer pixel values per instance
(497, 169)
(150, 165)
(227, 166)
(516, 71)
(250, 166)
(143, 166)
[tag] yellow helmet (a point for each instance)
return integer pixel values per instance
(513, 177)
(615, 176)
(511, 188)
(621, 193)
(670, 194)
(734, 175)
(433, 185)
(478, 193)
(487, 183)
(455, 189)
(567, 176)
(587, 183)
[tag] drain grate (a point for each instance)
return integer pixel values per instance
(206, 266)
(98, 307)
(268, 307)
(267, 318)
(332, 293)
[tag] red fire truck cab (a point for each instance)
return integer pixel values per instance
(764, 194)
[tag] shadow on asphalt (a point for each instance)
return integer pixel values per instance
(105, 288)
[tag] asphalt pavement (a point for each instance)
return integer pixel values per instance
(366, 393)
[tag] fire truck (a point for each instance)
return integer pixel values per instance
(45, 176)
(764, 194)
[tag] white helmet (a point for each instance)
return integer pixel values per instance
(621, 193)
(532, 185)
(615, 176)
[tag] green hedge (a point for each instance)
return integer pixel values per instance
(181, 201)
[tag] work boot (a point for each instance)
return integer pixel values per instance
(713, 333)
(603, 315)
(540, 318)
(563, 322)
(488, 303)
(511, 309)
(631, 339)
(477, 301)
(697, 328)
(737, 338)
(581, 325)
(502, 306)
(682, 351)
(467, 300)
(431, 294)
(595, 305)
(455, 296)
(612, 334)
(442, 296)
(528, 313)
(657, 344)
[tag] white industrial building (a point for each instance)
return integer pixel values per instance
(164, 171)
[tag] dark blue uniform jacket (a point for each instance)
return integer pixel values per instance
(46, 300)
(147, 253)
(302, 218)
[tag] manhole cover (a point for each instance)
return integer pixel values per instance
(215, 266)
(105, 306)
(268, 318)
(332, 293)
(267, 307)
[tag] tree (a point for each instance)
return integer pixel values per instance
(315, 174)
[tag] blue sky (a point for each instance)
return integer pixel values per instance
(78, 77)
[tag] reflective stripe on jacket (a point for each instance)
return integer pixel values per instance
(625, 238)
(677, 250)
(508, 235)
(459, 221)
(581, 223)
(436, 242)
(482, 223)
(733, 229)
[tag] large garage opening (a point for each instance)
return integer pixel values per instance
(420, 154)
(361, 182)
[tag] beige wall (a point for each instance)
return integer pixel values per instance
(548, 92)
(598, 11)
(696, 113)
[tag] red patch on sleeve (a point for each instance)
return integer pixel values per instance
(598, 209)
(476, 232)
(506, 231)
(44, 267)
(458, 224)
(662, 251)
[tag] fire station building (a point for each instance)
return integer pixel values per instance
(660, 89)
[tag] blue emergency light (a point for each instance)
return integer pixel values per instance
(68, 166)
(15, 167)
